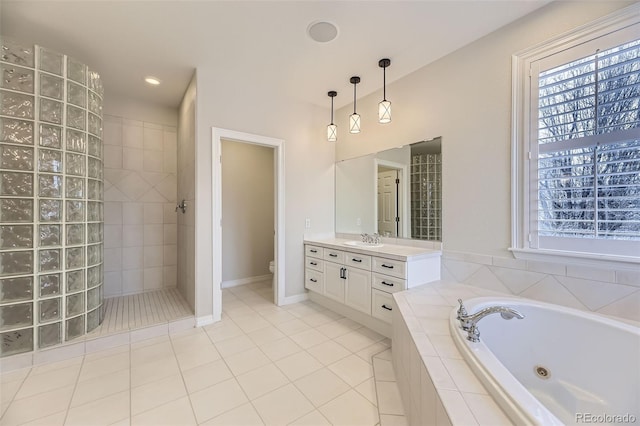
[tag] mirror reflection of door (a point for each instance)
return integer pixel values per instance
(388, 202)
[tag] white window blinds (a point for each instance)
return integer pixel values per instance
(587, 148)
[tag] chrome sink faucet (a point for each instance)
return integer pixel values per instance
(469, 323)
(371, 239)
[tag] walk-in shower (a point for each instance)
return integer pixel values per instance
(51, 198)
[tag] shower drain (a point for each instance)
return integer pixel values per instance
(542, 372)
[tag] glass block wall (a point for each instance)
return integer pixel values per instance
(426, 197)
(51, 198)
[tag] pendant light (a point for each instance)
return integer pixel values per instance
(332, 129)
(354, 119)
(384, 107)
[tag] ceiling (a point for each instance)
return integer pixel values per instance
(254, 44)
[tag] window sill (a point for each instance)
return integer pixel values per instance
(577, 258)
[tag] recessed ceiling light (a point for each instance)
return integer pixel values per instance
(152, 80)
(322, 31)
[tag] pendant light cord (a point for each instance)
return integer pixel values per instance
(384, 83)
(331, 109)
(354, 97)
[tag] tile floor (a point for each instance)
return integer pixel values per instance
(261, 365)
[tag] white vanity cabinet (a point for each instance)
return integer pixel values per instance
(314, 269)
(388, 277)
(348, 279)
(356, 277)
(359, 283)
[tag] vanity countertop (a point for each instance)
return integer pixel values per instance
(390, 251)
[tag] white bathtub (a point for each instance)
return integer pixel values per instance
(592, 363)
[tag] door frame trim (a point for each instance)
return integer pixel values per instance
(403, 190)
(217, 135)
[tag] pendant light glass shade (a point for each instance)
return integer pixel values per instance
(384, 107)
(332, 129)
(354, 119)
(332, 133)
(354, 123)
(384, 112)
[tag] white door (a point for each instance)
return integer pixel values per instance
(388, 203)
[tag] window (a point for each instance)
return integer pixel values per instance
(577, 143)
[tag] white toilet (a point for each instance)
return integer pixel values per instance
(272, 270)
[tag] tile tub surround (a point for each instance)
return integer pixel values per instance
(613, 292)
(436, 384)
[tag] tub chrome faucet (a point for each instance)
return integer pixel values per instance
(469, 323)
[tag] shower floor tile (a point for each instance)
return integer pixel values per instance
(295, 364)
(141, 310)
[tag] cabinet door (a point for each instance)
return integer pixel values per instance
(358, 290)
(314, 280)
(333, 281)
(383, 305)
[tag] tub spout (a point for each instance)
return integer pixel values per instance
(469, 323)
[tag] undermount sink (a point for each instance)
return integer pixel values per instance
(362, 244)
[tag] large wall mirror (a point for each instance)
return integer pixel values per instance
(396, 193)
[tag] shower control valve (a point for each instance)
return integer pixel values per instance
(182, 206)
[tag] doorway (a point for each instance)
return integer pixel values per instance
(247, 214)
(388, 202)
(391, 198)
(277, 147)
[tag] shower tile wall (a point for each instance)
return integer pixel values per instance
(140, 199)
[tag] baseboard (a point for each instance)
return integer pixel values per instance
(204, 320)
(294, 299)
(243, 281)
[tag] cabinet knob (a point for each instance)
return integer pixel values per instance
(357, 260)
(313, 263)
(313, 280)
(387, 266)
(333, 255)
(386, 283)
(387, 308)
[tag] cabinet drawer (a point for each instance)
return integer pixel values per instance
(388, 283)
(314, 263)
(395, 268)
(334, 255)
(314, 280)
(358, 261)
(382, 305)
(313, 251)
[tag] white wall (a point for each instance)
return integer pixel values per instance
(187, 191)
(140, 191)
(309, 176)
(465, 97)
(247, 210)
